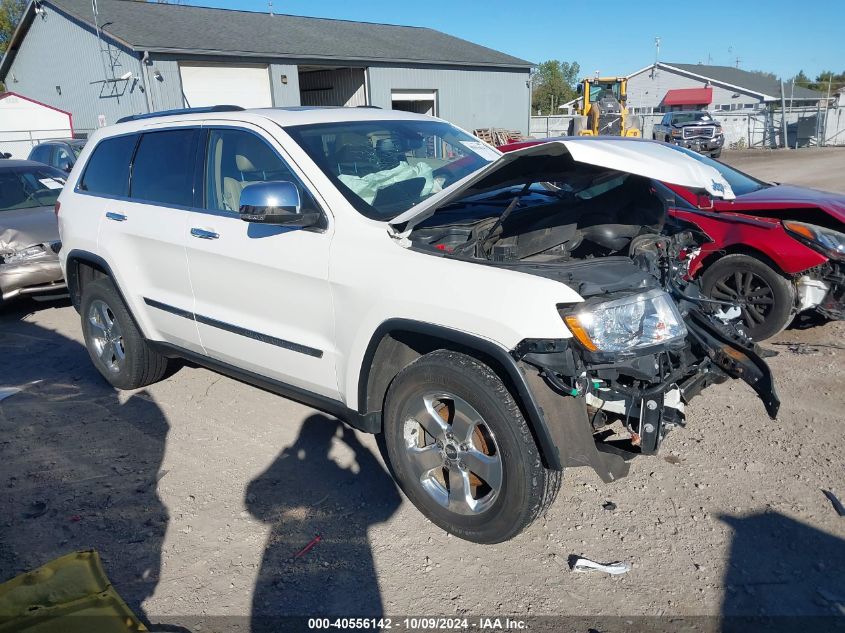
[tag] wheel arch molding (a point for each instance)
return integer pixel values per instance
(398, 342)
(83, 266)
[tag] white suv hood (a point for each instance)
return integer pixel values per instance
(642, 158)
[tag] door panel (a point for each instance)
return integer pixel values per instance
(262, 299)
(143, 240)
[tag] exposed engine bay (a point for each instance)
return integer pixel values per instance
(607, 235)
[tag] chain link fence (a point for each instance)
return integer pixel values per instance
(805, 127)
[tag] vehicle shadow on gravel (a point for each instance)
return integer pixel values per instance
(781, 567)
(78, 468)
(304, 494)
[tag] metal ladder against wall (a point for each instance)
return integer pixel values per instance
(112, 85)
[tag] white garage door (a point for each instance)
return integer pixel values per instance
(213, 84)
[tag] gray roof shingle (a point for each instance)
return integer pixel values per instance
(199, 30)
(744, 79)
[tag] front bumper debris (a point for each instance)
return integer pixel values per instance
(647, 394)
(833, 304)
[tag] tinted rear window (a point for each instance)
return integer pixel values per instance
(107, 171)
(163, 169)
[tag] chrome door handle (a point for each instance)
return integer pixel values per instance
(117, 217)
(203, 234)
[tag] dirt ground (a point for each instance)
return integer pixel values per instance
(198, 492)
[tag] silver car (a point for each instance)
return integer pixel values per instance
(29, 234)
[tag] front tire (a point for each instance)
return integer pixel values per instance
(716, 154)
(462, 451)
(117, 348)
(765, 297)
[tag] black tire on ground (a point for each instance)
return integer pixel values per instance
(526, 487)
(767, 298)
(139, 365)
(717, 153)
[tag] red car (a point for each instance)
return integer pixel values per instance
(776, 249)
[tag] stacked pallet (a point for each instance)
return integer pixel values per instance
(498, 136)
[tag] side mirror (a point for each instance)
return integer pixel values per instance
(5, 155)
(275, 202)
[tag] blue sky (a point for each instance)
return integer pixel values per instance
(777, 36)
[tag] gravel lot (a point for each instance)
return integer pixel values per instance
(199, 490)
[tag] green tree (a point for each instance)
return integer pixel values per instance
(835, 80)
(10, 14)
(801, 79)
(554, 84)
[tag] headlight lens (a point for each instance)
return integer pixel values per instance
(628, 324)
(30, 252)
(829, 242)
(677, 133)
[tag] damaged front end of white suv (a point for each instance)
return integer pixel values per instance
(587, 213)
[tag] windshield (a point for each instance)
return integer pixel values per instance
(607, 88)
(77, 147)
(385, 167)
(740, 183)
(29, 187)
(687, 117)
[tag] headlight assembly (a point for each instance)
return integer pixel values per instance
(828, 241)
(627, 324)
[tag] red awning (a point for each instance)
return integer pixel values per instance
(688, 96)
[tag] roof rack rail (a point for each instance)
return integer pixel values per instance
(153, 115)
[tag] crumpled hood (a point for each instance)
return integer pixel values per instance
(22, 228)
(639, 157)
(832, 203)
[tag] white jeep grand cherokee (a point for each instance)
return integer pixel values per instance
(496, 317)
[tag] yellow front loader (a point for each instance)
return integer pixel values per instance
(602, 109)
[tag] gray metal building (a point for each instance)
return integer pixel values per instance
(663, 87)
(134, 57)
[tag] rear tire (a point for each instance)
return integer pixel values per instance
(117, 348)
(461, 450)
(766, 298)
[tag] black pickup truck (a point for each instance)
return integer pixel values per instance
(696, 130)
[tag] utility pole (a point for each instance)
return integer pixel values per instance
(791, 99)
(826, 109)
(783, 116)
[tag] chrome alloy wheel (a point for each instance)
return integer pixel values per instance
(453, 453)
(106, 335)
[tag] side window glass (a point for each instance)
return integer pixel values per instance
(63, 159)
(163, 168)
(107, 171)
(234, 160)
